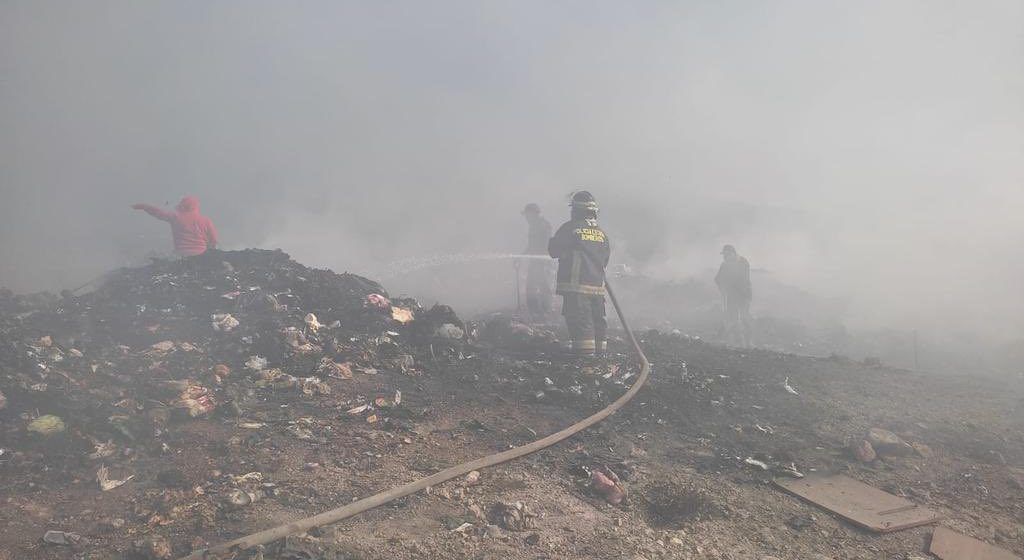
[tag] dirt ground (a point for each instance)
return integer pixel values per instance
(679, 448)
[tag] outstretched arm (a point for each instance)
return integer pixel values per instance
(157, 213)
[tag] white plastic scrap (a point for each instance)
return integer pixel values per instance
(103, 449)
(312, 322)
(789, 388)
(449, 330)
(755, 463)
(256, 363)
(102, 476)
(223, 322)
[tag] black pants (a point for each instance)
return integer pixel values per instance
(585, 317)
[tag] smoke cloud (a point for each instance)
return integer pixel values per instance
(869, 151)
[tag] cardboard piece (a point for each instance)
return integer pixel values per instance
(950, 545)
(865, 506)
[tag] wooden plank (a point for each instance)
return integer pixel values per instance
(950, 545)
(863, 505)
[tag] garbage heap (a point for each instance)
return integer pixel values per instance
(105, 376)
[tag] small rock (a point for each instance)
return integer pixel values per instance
(477, 511)
(863, 451)
(886, 442)
(61, 538)
(533, 539)
(153, 548)
(494, 531)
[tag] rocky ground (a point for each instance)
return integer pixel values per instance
(206, 430)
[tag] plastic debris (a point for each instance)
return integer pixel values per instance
(402, 315)
(378, 301)
(512, 517)
(46, 425)
(359, 409)
(789, 388)
(196, 399)
(103, 477)
(311, 322)
(450, 331)
(223, 322)
(160, 348)
(473, 477)
(463, 529)
(103, 450)
(3, 401)
(256, 363)
(330, 368)
(240, 498)
(755, 463)
(314, 386)
(61, 538)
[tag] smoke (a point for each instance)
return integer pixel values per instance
(868, 150)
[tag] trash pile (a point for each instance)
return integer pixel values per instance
(89, 384)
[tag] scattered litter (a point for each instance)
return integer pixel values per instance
(223, 322)
(240, 498)
(463, 529)
(312, 323)
(61, 538)
(755, 463)
(766, 429)
(512, 517)
(401, 314)
(377, 301)
(196, 399)
(359, 409)
(256, 363)
(473, 477)
(103, 450)
(46, 425)
(790, 470)
(450, 331)
(330, 368)
(102, 476)
(3, 400)
(312, 386)
(160, 348)
(789, 388)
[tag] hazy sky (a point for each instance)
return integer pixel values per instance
(871, 150)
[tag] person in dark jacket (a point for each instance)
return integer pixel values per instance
(538, 271)
(582, 250)
(733, 281)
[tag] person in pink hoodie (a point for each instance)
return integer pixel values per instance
(193, 232)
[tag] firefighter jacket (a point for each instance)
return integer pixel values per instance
(582, 250)
(733, 278)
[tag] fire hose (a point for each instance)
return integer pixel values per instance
(333, 516)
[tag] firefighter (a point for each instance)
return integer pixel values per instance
(538, 271)
(193, 232)
(582, 250)
(733, 280)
